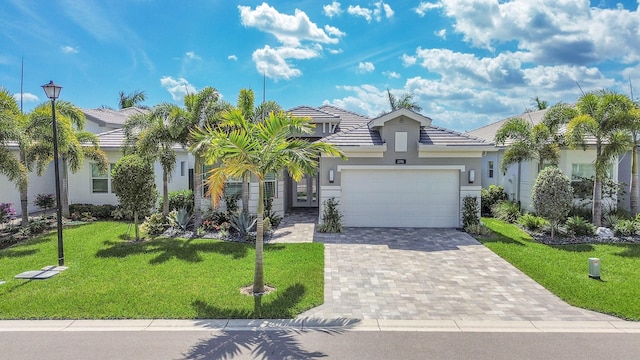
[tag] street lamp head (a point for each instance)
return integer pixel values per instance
(52, 90)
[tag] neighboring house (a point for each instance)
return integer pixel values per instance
(102, 119)
(9, 192)
(89, 186)
(401, 171)
(519, 179)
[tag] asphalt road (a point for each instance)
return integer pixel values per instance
(315, 345)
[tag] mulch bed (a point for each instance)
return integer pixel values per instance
(558, 240)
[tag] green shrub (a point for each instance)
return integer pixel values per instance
(231, 203)
(579, 226)
(331, 217)
(99, 211)
(477, 229)
(274, 219)
(552, 196)
(180, 219)
(508, 211)
(470, 211)
(181, 199)
(582, 211)
(491, 196)
(243, 223)
(38, 227)
(119, 213)
(45, 202)
(626, 228)
(155, 224)
(531, 222)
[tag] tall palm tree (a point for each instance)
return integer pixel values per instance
(632, 122)
(246, 100)
(601, 115)
(10, 131)
(202, 109)
(528, 142)
(237, 146)
(151, 136)
(403, 102)
(132, 99)
(74, 144)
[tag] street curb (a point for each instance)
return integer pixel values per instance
(326, 325)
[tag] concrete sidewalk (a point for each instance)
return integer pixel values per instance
(329, 325)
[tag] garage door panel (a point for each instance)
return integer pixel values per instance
(400, 198)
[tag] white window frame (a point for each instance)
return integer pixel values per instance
(106, 177)
(271, 180)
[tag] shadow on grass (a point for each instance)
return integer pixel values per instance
(167, 249)
(264, 343)
(14, 253)
(281, 307)
(628, 250)
(574, 248)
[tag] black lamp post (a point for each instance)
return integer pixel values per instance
(53, 91)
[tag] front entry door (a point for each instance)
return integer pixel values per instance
(305, 192)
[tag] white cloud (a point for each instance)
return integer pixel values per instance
(391, 74)
(332, 9)
(192, 56)
(290, 30)
(26, 97)
(380, 10)
(335, 51)
(408, 60)
(568, 31)
(424, 7)
(365, 67)
(178, 88)
(232, 57)
(69, 49)
(334, 31)
(274, 62)
(442, 34)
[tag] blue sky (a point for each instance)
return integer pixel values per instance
(467, 62)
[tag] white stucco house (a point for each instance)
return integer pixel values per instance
(519, 179)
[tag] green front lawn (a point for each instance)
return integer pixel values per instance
(112, 278)
(564, 269)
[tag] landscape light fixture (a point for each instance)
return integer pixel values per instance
(53, 92)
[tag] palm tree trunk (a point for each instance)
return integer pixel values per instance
(258, 277)
(633, 190)
(596, 211)
(65, 189)
(135, 224)
(245, 191)
(165, 194)
(197, 192)
(24, 199)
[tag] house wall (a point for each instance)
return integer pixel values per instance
(624, 176)
(45, 184)
(80, 187)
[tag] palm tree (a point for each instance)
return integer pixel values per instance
(202, 109)
(74, 144)
(404, 102)
(237, 146)
(632, 122)
(151, 136)
(527, 141)
(10, 131)
(131, 100)
(601, 115)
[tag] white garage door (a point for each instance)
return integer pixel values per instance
(400, 198)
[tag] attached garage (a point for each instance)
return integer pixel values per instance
(400, 196)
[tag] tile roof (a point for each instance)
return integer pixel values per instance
(114, 139)
(353, 130)
(112, 118)
(488, 132)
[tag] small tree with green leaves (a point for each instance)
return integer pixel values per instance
(134, 185)
(470, 212)
(552, 196)
(331, 217)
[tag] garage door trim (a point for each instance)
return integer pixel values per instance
(401, 167)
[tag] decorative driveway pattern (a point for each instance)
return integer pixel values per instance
(429, 274)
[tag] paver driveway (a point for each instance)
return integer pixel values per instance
(428, 274)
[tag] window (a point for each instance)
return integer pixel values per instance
(183, 168)
(582, 179)
(490, 169)
(270, 186)
(100, 183)
(233, 187)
